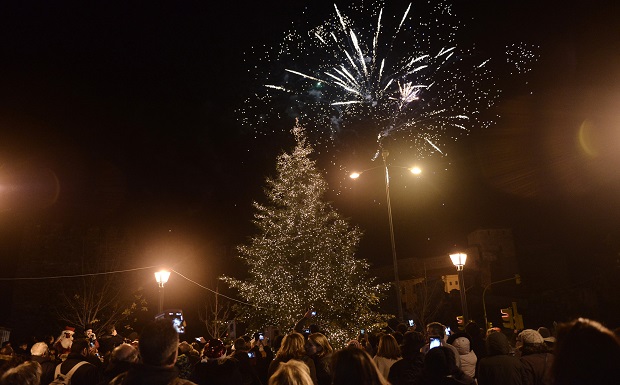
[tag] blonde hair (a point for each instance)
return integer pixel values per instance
(388, 347)
(319, 339)
(27, 373)
(293, 347)
(292, 372)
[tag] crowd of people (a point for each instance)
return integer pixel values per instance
(579, 352)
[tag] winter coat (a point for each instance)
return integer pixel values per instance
(468, 357)
(141, 374)
(87, 374)
(108, 342)
(223, 371)
(537, 369)
(499, 367)
(407, 371)
(323, 369)
(48, 367)
(114, 369)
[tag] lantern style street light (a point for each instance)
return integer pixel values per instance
(416, 171)
(458, 260)
(161, 277)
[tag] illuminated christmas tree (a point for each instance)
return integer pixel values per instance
(304, 256)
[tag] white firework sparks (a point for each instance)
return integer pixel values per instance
(403, 78)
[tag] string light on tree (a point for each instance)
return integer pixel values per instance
(304, 255)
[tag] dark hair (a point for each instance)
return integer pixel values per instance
(456, 335)
(240, 344)
(402, 328)
(277, 342)
(439, 362)
(586, 353)
(158, 343)
(412, 343)
(437, 328)
(355, 367)
(78, 345)
(398, 336)
(109, 329)
(474, 330)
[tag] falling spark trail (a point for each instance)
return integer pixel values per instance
(404, 18)
(387, 79)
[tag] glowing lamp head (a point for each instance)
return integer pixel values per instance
(354, 175)
(458, 260)
(162, 277)
(416, 170)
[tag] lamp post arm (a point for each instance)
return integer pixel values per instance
(484, 305)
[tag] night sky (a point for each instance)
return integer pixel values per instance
(126, 111)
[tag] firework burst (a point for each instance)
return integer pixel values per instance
(379, 78)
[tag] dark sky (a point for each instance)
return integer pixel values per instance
(132, 107)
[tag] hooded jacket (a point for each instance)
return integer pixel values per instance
(468, 357)
(499, 367)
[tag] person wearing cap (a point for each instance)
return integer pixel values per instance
(546, 335)
(40, 353)
(64, 341)
(535, 357)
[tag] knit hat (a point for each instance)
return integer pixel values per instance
(531, 337)
(39, 349)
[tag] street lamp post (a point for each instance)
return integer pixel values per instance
(161, 277)
(458, 260)
(399, 302)
(414, 170)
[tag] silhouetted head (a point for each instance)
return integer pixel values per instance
(354, 366)
(159, 342)
(586, 353)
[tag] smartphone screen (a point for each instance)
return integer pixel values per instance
(434, 342)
